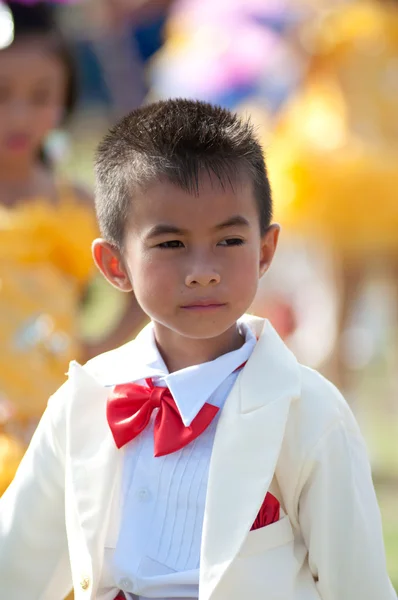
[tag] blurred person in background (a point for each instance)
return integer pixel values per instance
(124, 35)
(46, 230)
(227, 53)
(333, 157)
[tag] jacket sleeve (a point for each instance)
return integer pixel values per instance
(340, 519)
(34, 561)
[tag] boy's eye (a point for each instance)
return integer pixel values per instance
(171, 244)
(232, 242)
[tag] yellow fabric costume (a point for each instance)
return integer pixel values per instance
(333, 160)
(45, 263)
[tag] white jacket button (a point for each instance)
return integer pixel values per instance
(126, 584)
(143, 495)
(85, 583)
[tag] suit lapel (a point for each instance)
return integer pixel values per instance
(96, 464)
(246, 449)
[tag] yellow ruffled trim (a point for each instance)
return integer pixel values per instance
(342, 28)
(60, 234)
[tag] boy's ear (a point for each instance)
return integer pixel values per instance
(269, 242)
(109, 261)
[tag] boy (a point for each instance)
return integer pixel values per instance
(200, 460)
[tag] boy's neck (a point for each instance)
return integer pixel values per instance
(179, 352)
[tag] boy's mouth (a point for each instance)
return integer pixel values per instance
(203, 305)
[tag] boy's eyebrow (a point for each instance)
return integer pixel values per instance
(236, 220)
(162, 229)
(165, 228)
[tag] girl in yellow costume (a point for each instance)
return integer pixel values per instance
(46, 230)
(333, 160)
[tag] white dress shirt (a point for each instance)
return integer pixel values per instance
(163, 498)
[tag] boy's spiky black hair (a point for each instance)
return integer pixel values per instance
(177, 140)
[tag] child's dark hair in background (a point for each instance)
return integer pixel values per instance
(177, 140)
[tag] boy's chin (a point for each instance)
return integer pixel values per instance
(203, 329)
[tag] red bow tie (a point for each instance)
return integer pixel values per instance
(129, 411)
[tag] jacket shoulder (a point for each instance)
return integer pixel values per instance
(103, 365)
(321, 402)
(101, 368)
(318, 409)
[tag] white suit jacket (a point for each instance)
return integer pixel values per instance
(282, 424)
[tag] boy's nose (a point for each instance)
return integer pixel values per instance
(202, 278)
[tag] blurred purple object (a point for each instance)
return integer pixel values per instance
(32, 2)
(232, 50)
(277, 14)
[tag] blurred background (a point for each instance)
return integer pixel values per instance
(319, 78)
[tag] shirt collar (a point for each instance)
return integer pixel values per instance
(191, 387)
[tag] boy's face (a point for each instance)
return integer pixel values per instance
(193, 261)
